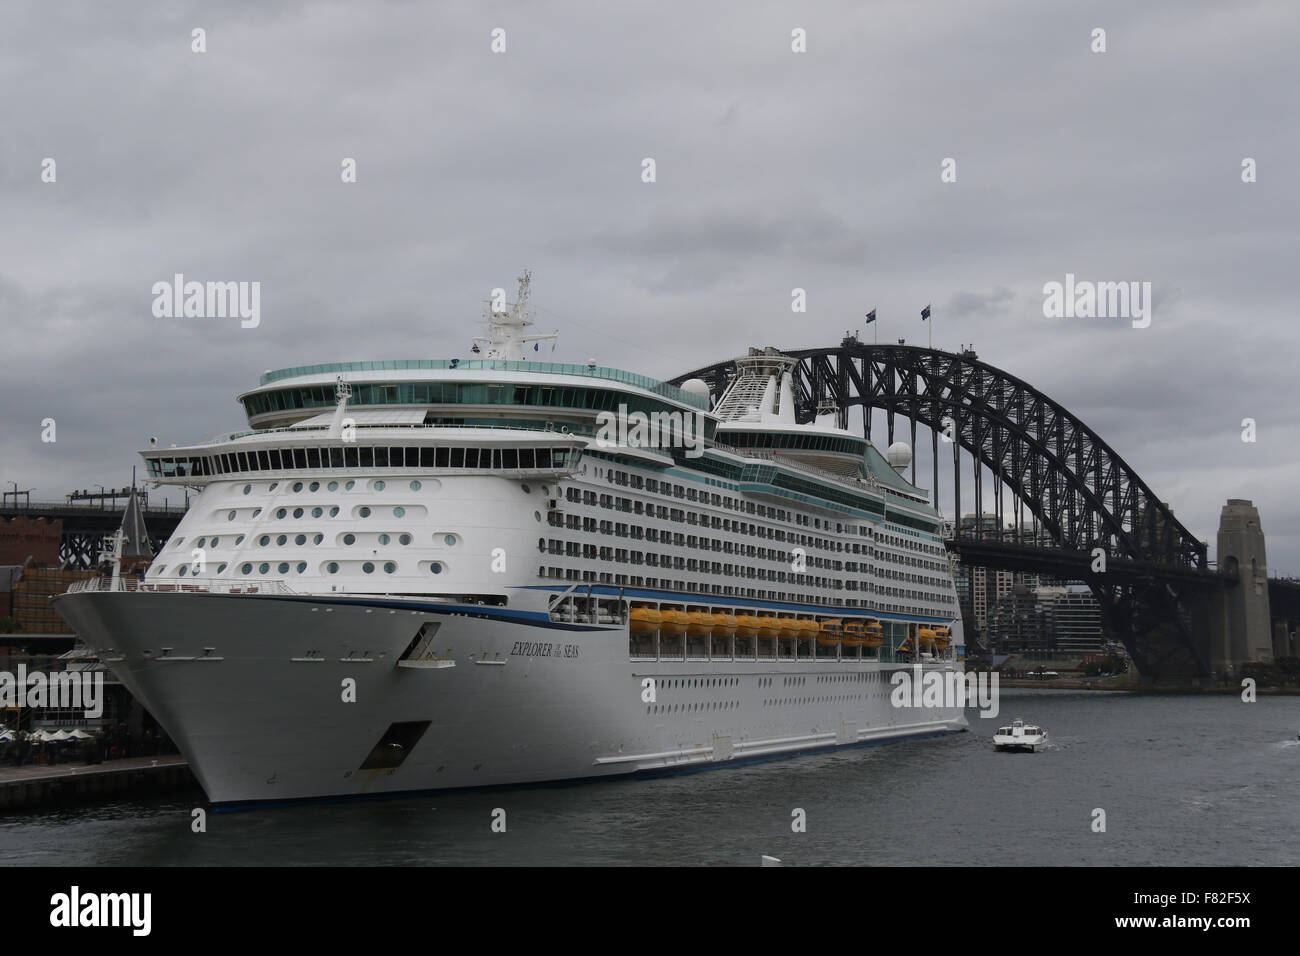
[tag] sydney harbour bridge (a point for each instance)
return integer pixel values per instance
(1076, 510)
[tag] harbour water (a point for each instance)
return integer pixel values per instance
(1183, 780)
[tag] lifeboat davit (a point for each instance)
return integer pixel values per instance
(673, 622)
(746, 625)
(831, 632)
(644, 620)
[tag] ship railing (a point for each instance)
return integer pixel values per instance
(193, 586)
(850, 480)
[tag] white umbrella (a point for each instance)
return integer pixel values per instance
(7, 737)
(58, 735)
(80, 734)
(38, 736)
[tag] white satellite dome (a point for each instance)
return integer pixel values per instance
(899, 455)
(696, 386)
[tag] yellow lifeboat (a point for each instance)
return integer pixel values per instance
(746, 625)
(788, 626)
(831, 632)
(769, 627)
(724, 625)
(644, 620)
(942, 637)
(699, 623)
(873, 635)
(673, 622)
(808, 627)
(853, 633)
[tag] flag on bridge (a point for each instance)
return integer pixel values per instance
(925, 313)
(871, 316)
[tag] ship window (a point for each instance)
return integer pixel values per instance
(243, 461)
(381, 457)
(526, 458)
(264, 540)
(350, 456)
(543, 458)
(363, 511)
(332, 567)
(472, 458)
(297, 512)
(246, 569)
(200, 542)
(300, 540)
(283, 567)
(281, 512)
(333, 486)
(281, 539)
(314, 486)
(334, 511)
(183, 569)
(247, 489)
(441, 457)
(302, 566)
(484, 458)
(221, 568)
(415, 486)
(458, 458)
(509, 458)
(231, 516)
(380, 485)
(239, 541)
(389, 567)
(368, 567)
(274, 456)
(349, 539)
(299, 460)
(384, 539)
(450, 540)
(399, 512)
(367, 457)
(272, 486)
(412, 457)
(404, 539)
(263, 568)
(395, 458)
(313, 460)
(435, 567)
(317, 512)
(317, 539)
(215, 542)
(264, 461)
(426, 457)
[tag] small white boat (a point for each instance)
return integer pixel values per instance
(1020, 736)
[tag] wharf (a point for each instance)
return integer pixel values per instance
(36, 786)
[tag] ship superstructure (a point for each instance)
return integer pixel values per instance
(420, 574)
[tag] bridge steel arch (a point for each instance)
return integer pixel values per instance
(1081, 491)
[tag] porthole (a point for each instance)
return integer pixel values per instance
(297, 512)
(263, 568)
(399, 512)
(184, 568)
(332, 567)
(297, 486)
(245, 569)
(273, 486)
(178, 542)
(239, 541)
(281, 539)
(334, 511)
(389, 567)
(256, 512)
(404, 539)
(215, 542)
(526, 490)
(416, 486)
(384, 539)
(248, 489)
(283, 567)
(317, 538)
(314, 486)
(264, 540)
(231, 516)
(201, 542)
(349, 539)
(368, 567)
(537, 515)
(348, 486)
(302, 566)
(332, 486)
(364, 512)
(300, 539)
(221, 568)
(317, 512)
(380, 485)
(436, 567)
(449, 540)
(281, 512)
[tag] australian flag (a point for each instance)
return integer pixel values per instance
(925, 313)
(475, 349)
(871, 316)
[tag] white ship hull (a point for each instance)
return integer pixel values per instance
(252, 689)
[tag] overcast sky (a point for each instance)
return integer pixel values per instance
(775, 170)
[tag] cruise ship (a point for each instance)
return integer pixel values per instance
(416, 575)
